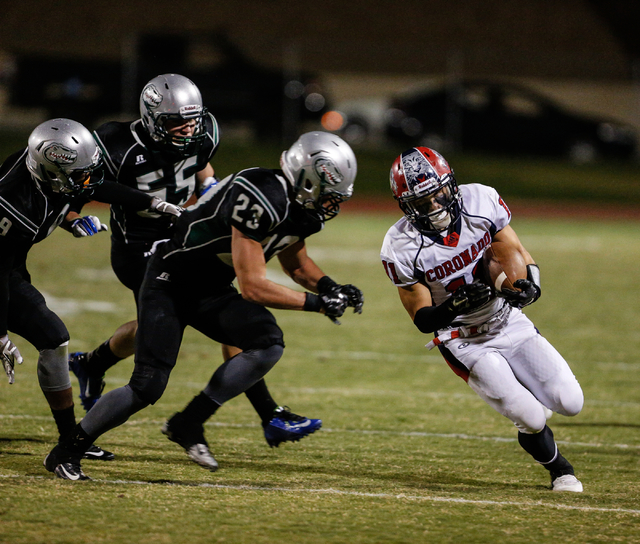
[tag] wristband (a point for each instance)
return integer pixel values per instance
(326, 284)
(312, 303)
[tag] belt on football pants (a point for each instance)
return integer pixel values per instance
(474, 330)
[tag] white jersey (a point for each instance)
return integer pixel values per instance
(445, 263)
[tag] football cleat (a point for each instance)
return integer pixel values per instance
(567, 482)
(191, 437)
(97, 453)
(64, 465)
(286, 426)
(91, 385)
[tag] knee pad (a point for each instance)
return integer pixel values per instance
(265, 359)
(570, 398)
(53, 368)
(149, 382)
(493, 380)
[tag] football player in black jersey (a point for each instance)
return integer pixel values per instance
(231, 232)
(164, 153)
(61, 166)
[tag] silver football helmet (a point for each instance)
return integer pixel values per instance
(64, 155)
(321, 168)
(176, 98)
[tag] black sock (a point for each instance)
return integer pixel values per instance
(259, 396)
(65, 421)
(78, 441)
(542, 447)
(198, 410)
(101, 359)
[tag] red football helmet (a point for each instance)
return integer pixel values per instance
(423, 184)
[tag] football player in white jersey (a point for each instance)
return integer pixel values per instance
(431, 255)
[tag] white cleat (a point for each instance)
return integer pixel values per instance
(200, 454)
(567, 482)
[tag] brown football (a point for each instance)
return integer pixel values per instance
(503, 266)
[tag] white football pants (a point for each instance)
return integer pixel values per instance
(516, 371)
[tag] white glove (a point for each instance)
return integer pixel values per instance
(10, 355)
(87, 226)
(160, 206)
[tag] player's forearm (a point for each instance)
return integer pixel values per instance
(307, 275)
(111, 192)
(270, 294)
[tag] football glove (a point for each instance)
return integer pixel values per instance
(468, 297)
(529, 289)
(333, 305)
(165, 208)
(354, 295)
(87, 226)
(10, 355)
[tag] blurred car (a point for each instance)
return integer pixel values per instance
(504, 118)
(234, 88)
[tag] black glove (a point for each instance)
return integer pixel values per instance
(356, 299)
(333, 305)
(468, 297)
(529, 289)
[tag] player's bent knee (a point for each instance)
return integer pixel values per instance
(527, 414)
(53, 368)
(266, 358)
(149, 383)
(571, 400)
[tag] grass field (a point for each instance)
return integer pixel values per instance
(407, 452)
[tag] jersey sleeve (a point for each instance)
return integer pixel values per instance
(397, 258)
(501, 212)
(255, 209)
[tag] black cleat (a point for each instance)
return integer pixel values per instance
(191, 437)
(64, 465)
(98, 454)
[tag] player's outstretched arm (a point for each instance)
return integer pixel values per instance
(251, 270)
(305, 272)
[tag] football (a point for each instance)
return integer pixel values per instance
(503, 265)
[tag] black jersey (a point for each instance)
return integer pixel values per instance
(256, 202)
(133, 159)
(29, 212)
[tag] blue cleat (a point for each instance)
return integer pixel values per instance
(288, 427)
(91, 385)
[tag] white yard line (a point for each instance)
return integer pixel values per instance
(331, 491)
(419, 434)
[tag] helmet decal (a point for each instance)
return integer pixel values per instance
(327, 171)
(151, 96)
(59, 154)
(420, 171)
(190, 110)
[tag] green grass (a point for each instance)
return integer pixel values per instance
(407, 452)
